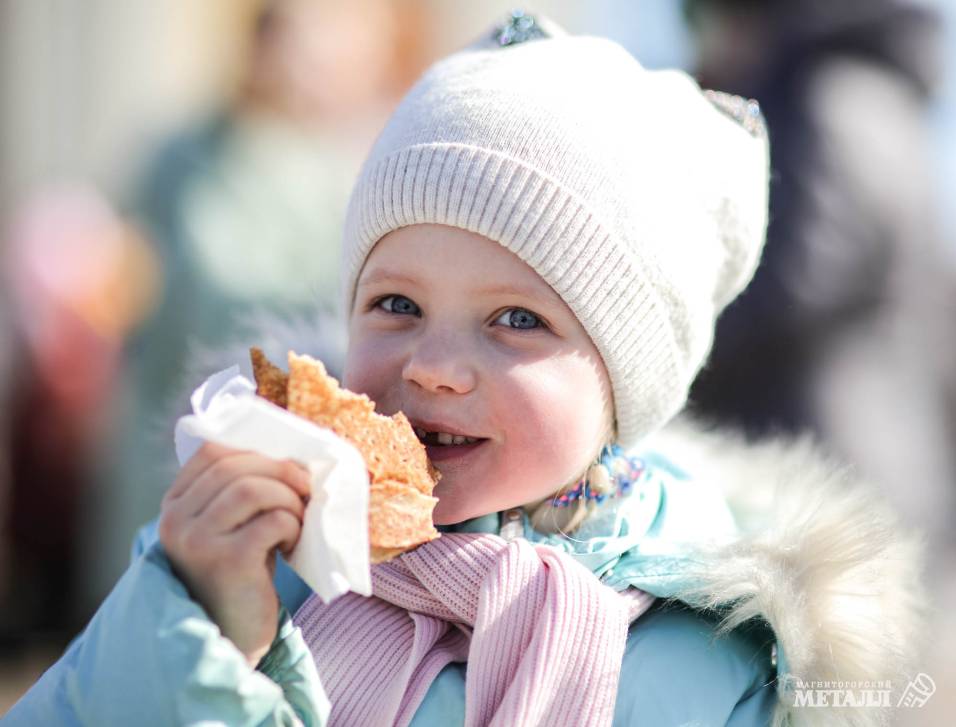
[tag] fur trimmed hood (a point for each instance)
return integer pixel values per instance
(821, 558)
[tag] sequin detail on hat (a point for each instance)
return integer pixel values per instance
(518, 28)
(745, 112)
(621, 473)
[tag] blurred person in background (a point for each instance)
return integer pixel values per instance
(844, 329)
(78, 278)
(6, 392)
(246, 209)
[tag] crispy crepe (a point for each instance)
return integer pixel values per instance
(400, 474)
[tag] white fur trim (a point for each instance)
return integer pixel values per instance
(822, 560)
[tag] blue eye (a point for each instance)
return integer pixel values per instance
(397, 304)
(521, 319)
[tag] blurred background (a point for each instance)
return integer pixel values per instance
(171, 170)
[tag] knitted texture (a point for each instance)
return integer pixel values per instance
(634, 197)
(543, 638)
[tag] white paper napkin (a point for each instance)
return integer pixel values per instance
(332, 553)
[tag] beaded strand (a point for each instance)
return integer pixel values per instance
(613, 475)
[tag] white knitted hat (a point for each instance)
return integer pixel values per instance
(639, 199)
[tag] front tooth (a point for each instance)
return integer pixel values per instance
(458, 439)
(444, 438)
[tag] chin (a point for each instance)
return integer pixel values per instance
(448, 512)
(442, 518)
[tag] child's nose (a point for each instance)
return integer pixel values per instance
(438, 364)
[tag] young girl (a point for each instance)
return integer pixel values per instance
(535, 254)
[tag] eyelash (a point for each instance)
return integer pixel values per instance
(376, 304)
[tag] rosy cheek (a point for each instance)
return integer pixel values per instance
(556, 425)
(364, 368)
(537, 418)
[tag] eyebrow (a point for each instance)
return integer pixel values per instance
(384, 276)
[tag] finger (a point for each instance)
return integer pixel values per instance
(241, 464)
(177, 510)
(297, 476)
(205, 457)
(244, 498)
(268, 530)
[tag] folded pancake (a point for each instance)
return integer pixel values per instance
(401, 476)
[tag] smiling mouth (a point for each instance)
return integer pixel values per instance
(452, 453)
(444, 439)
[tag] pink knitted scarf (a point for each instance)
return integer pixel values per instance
(543, 638)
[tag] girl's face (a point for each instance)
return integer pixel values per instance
(465, 338)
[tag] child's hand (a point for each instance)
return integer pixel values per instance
(221, 522)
